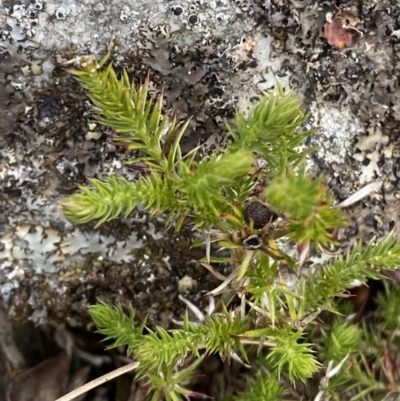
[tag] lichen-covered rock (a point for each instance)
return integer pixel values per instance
(210, 58)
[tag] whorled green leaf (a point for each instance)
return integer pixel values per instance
(340, 340)
(292, 356)
(263, 388)
(306, 205)
(270, 131)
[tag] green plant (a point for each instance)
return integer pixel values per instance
(256, 201)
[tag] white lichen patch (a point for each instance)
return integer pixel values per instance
(186, 283)
(336, 130)
(369, 150)
(43, 247)
(269, 64)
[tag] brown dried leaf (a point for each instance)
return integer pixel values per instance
(45, 382)
(340, 35)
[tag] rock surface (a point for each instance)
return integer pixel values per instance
(211, 57)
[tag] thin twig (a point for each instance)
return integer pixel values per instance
(97, 382)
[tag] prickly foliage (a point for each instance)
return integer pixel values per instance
(271, 311)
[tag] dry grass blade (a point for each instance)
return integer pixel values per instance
(216, 274)
(197, 312)
(97, 382)
(361, 194)
(227, 281)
